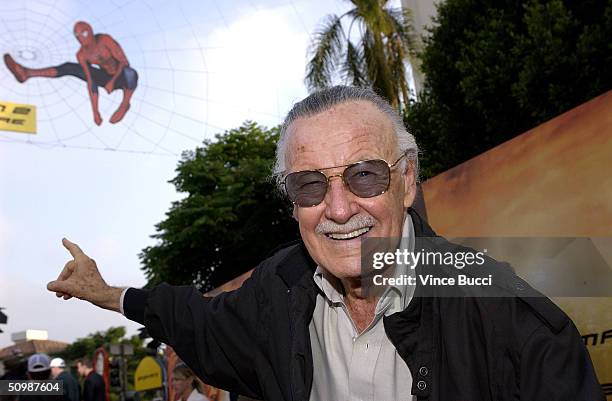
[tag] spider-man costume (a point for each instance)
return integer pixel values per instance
(112, 72)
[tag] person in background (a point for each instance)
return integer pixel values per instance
(72, 391)
(185, 384)
(16, 369)
(94, 388)
(39, 368)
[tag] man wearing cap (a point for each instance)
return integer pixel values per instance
(39, 368)
(303, 327)
(71, 386)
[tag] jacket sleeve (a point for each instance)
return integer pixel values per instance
(557, 367)
(215, 337)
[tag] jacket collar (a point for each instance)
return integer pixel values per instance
(411, 330)
(421, 228)
(296, 265)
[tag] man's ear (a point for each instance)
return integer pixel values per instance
(410, 187)
(294, 212)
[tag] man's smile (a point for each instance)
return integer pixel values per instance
(349, 235)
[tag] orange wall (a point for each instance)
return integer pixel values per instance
(555, 180)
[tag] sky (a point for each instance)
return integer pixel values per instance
(204, 67)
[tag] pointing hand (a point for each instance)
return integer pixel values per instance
(81, 279)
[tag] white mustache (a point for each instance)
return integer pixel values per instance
(356, 222)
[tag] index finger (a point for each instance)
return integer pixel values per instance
(73, 248)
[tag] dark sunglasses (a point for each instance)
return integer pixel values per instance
(366, 179)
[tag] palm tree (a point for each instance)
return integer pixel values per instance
(373, 56)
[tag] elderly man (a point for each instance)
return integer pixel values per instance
(306, 327)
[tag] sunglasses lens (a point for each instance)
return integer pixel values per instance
(367, 179)
(306, 188)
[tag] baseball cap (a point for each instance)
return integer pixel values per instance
(57, 363)
(38, 363)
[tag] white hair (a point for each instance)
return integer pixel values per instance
(324, 100)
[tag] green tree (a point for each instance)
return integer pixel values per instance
(86, 346)
(366, 46)
(496, 69)
(231, 217)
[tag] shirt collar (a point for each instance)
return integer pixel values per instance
(192, 395)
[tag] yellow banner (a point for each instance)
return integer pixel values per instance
(148, 374)
(17, 117)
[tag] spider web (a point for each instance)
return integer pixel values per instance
(170, 107)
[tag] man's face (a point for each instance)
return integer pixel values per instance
(55, 371)
(82, 369)
(347, 133)
(181, 384)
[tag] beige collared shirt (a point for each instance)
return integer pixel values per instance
(349, 366)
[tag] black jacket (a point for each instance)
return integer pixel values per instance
(94, 388)
(255, 340)
(72, 390)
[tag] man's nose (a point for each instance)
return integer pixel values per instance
(339, 203)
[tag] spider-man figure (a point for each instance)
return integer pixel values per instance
(114, 71)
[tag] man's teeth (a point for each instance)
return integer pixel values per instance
(350, 235)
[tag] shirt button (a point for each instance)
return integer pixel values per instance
(421, 385)
(423, 371)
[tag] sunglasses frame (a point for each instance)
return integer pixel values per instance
(341, 176)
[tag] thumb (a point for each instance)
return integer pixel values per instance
(63, 286)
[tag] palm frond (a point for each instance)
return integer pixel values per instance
(325, 52)
(401, 23)
(379, 71)
(396, 58)
(385, 42)
(353, 66)
(367, 45)
(370, 12)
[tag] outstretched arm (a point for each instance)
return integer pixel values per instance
(91, 88)
(118, 54)
(216, 337)
(81, 279)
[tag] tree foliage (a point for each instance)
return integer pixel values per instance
(366, 46)
(231, 217)
(86, 346)
(498, 68)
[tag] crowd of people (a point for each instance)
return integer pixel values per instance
(187, 387)
(41, 367)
